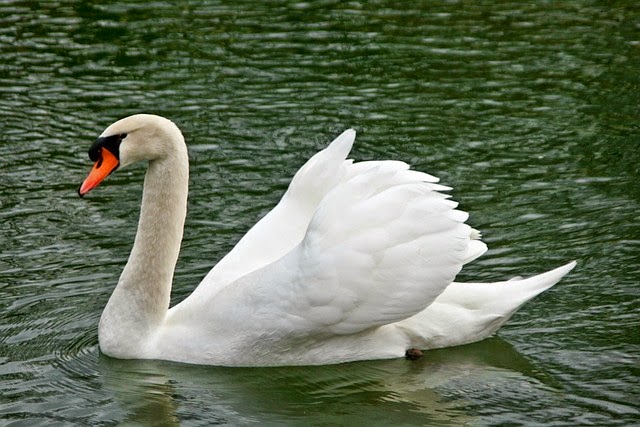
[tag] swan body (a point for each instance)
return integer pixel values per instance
(357, 261)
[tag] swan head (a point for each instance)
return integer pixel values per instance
(129, 140)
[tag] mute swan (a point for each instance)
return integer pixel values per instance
(355, 262)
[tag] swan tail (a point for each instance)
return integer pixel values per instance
(469, 312)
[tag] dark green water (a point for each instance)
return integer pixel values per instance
(531, 113)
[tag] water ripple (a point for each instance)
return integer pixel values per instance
(528, 110)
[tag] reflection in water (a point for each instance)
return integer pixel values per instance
(145, 394)
(429, 390)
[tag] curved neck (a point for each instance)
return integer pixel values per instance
(140, 301)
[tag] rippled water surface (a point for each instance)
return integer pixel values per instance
(531, 113)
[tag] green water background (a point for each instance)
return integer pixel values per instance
(529, 110)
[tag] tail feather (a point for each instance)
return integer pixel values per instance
(502, 297)
(469, 312)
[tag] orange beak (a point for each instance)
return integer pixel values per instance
(106, 164)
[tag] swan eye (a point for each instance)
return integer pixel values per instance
(111, 143)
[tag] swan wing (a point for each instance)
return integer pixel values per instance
(380, 247)
(285, 225)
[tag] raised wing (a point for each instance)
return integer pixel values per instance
(285, 225)
(381, 246)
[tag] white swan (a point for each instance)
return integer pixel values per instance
(356, 262)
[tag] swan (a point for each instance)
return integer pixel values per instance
(357, 261)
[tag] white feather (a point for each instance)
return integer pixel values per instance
(356, 261)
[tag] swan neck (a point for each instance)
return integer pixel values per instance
(160, 227)
(141, 299)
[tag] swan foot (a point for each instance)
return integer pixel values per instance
(413, 354)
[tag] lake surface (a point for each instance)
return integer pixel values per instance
(531, 113)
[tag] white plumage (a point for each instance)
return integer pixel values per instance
(356, 261)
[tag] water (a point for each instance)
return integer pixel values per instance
(530, 112)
